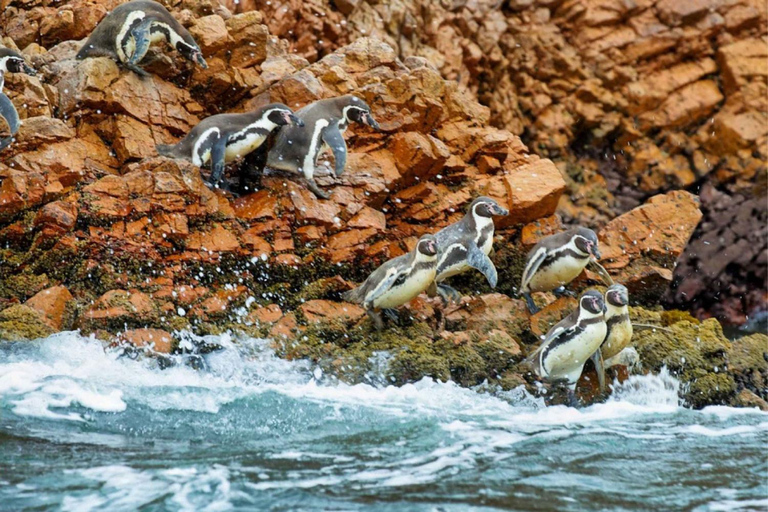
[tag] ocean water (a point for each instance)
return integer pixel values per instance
(83, 429)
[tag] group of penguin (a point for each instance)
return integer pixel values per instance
(599, 328)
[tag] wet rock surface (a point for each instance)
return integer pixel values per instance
(101, 234)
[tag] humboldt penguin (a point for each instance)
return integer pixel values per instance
(397, 281)
(10, 62)
(619, 327)
(467, 244)
(222, 138)
(572, 341)
(297, 148)
(126, 33)
(556, 261)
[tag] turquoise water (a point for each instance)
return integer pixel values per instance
(81, 429)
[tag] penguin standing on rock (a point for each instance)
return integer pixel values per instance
(397, 281)
(572, 341)
(10, 62)
(297, 149)
(220, 139)
(467, 244)
(557, 260)
(126, 33)
(619, 328)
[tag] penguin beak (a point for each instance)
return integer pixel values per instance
(29, 69)
(198, 57)
(432, 248)
(595, 252)
(292, 119)
(370, 121)
(498, 211)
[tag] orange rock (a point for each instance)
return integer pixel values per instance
(533, 191)
(218, 239)
(265, 315)
(327, 311)
(256, 206)
(210, 33)
(59, 214)
(156, 340)
(310, 209)
(54, 304)
(655, 232)
(368, 218)
(117, 304)
(534, 232)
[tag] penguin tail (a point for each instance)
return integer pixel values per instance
(354, 295)
(168, 150)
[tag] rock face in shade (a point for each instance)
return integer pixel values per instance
(101, 234)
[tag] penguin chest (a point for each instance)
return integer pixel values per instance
(414, 284)
(561, 271)
(241, 145)
(618, 337)
(566, 360)
(452, 262)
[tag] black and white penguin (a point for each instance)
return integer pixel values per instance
(126, 33)
(397, 281)
(10, 62)
(297, 149)
(572, 341)
(465, 245)
(619, 329)
(556, 261)
(220, 139)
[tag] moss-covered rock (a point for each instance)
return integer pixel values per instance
(748, 362)
(21, 322)
(695, 353)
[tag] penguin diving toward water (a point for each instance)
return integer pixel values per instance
(126, 33)
(10, 62)
(397, 281)
(572, 341)
(297, 148)
(559, 259)
(223, 138)
(465, 245)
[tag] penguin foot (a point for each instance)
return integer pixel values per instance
(561, 291)
(375, 317)
(448, 294)
(136, 69)
(312, 186)
(532, 307)
(391, 313)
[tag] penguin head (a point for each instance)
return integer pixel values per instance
(191, 52)
(592, 302)
(13, 62)
(281, 115)
(617, 295)
(486, 207)
(585, 241)
(426, 248)
(356, 110)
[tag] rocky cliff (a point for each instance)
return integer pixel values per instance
(100, 234)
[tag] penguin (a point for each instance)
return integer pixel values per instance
(556, 261)
(572, 341)
(126, 33)
(467, 244)
(397, 281)
(10, 62)
(619, 331)
(297, 148)
(220, 139)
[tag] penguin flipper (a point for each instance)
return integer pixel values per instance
(384, 285)
(533, 266)
(597, 359)
(218, 151)
(477, 259)
(140, 34)
(604, 275)
(8, 111)
(335, 140)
